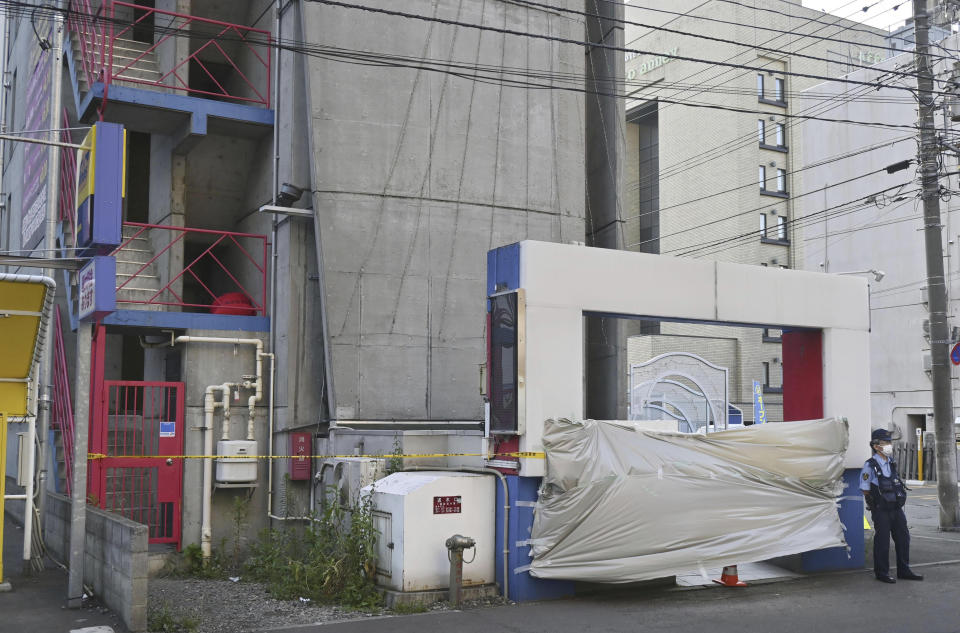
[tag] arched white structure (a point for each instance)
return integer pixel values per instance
(649, 382)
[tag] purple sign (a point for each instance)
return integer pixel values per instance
(36, 158)
(97, 288)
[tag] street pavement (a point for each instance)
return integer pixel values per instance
(848, 602)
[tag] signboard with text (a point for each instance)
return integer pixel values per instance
(97, 294)
(36, 157)
(759, 413)
(446, 505)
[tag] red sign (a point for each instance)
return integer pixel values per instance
(300, 446)
(955, 354)
(446, 505)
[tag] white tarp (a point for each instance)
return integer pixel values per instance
(619, 504)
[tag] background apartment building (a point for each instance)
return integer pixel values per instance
(710, 168)
(874, 221)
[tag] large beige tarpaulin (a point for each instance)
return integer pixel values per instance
(620, 504)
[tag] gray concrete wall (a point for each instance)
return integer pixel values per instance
(115, 564)
(417, 175)
(206, 364)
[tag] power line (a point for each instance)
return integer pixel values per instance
(565, 40)
(783, 32)
(844, 156)
(749, 211)
(743, 238)
(708, 38)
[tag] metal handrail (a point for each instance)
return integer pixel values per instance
(229, 239)
(98, 33)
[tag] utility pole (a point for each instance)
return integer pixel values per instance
(936, 283)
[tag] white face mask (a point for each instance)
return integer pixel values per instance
(887, 449)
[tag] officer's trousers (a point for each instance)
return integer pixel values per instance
(887, 523)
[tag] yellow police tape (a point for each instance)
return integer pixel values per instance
(520, 454)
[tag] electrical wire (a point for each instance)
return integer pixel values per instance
(592, 45)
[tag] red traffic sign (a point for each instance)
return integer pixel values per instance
(955, 354)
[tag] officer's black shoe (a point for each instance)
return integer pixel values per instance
(910, 576)
(888, 579)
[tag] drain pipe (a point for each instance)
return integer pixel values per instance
(206, 534)
(506, 508)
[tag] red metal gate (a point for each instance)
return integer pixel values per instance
(138, 426)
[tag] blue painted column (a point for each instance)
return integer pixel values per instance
(523, 586)
(851, 515)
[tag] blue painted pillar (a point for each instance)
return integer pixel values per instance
(523, 586)
(851, 515)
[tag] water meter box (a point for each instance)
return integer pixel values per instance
(415, 512)
(232, 465)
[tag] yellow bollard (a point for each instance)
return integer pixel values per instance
(920, 461)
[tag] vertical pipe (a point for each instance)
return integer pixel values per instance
(28, 502)
(4, 586)
(53, 200)
(277, 26)
(78, 501)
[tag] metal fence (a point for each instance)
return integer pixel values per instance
(224, 258)
(213, 44)
(905, 454)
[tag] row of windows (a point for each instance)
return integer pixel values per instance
(776, 232)
(779, 132)
(778, 94)
(781, 182)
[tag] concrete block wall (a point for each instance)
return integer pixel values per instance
(115, 565)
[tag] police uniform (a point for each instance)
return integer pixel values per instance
(887, 495)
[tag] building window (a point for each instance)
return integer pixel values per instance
(782, 180)
(778, 89)
(781, 228)
(766, 375)
(759, 86)
(763, 225)
(780, 135)
(772, 335)
(763, 177)
(761, 131)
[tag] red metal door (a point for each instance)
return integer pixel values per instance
(139, 429)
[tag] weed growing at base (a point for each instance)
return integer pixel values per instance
(330, 560)
(164, 620)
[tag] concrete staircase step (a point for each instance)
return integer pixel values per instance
(128, 269)
(141, 255)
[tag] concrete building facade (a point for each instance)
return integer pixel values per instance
(371, 300)
(710, 168)
(874, 221)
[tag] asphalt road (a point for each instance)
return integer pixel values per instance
(849, 601)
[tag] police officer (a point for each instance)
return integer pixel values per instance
(885, 495)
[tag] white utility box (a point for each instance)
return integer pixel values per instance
(416, 512)
(232, 466)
